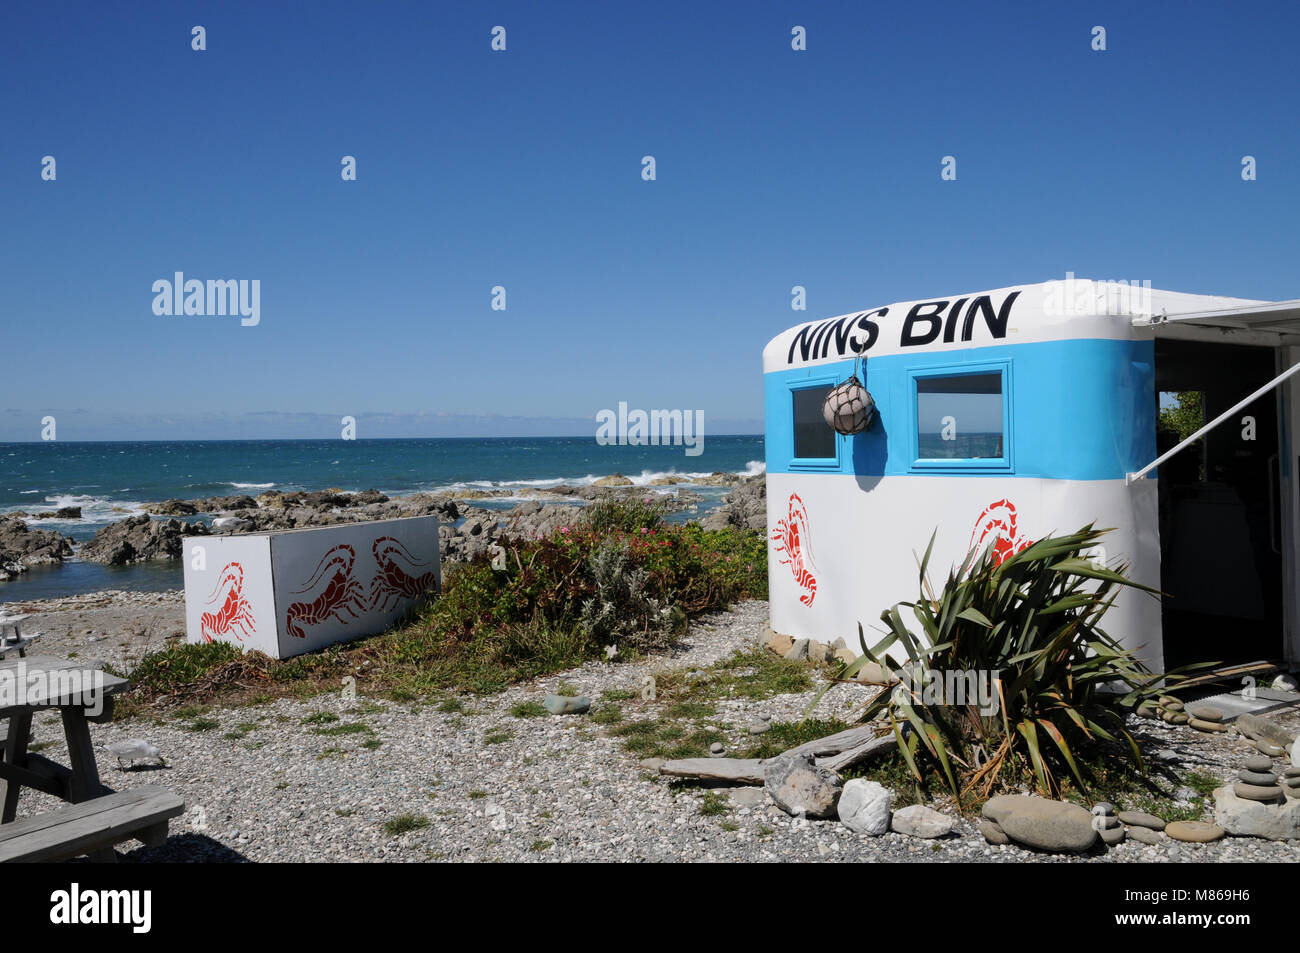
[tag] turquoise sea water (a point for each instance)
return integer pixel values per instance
(112, 480)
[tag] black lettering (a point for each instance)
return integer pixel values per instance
(873, 330)
(805, 341)
(997, 325)
(840, 331)
(950, 328)
(918, 313)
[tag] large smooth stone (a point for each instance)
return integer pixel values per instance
(917, 820)
(1194, 832)
(1209, 727)
(1110, 836)
(864, 807)
(567, 704)
(1206, 713)
(801, 788)
(1145, 835)
(1142, 819)
(993, 834)
(1258, 762)
(1042, 823)
(1246, 818)
(1265, 778)
(1257, 792)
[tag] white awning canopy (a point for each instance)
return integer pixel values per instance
(1263, 322)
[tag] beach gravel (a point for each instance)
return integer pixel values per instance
(462, 778)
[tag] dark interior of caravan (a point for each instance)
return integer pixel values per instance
(1220, 524)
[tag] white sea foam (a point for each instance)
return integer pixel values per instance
(251, 486)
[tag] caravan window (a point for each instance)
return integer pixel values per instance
(961, 418)
(814, 441)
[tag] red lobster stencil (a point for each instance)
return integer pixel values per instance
(341, 594)
(997, 525)
(235, 617)
(393, 582)
(791, 537)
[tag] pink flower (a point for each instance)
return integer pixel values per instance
(644, 531)
(564, 530)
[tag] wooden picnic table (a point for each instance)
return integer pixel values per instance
(82, 695)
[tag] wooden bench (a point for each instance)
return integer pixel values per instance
(92, 827)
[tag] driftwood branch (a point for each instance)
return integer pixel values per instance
(836, 752)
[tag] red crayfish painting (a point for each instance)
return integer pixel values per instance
(996, 526)
(235, 617)
(341, 593)
(791, 538)
(394, 584)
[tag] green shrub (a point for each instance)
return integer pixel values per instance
(1031, 620)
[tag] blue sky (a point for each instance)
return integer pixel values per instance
(522, 169)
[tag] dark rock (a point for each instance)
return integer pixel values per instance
(21, 548)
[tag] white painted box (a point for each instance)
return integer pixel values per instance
(295, 591)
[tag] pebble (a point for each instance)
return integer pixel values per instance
(1270, 749)
(1142, 819)
(567, 704)
(759, 728)
(1194, 832)
(1207, 726)
(717, 750)
(1173, 705)
(1257, 792)
(1145, 835)
(1206, 713)
(993, 833)
(1110, 836)
(1167, 756)
(1103, 809)
(1264, 778)
(1259, 763)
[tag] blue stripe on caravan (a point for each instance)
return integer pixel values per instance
(1080, 410)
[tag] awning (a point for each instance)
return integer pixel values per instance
(1263, 322)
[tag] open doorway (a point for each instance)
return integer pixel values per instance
(1220, 523)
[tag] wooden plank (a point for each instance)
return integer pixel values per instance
(20, 726)
(81, 756)
(91, 827)
(734, 770)
(74, 683)
(99, 805)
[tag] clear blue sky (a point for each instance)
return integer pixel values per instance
(522, 169)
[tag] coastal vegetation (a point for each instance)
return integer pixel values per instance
(1062, 685)
(618, 582)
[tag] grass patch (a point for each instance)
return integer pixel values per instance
(477, 795)
(531, 709)
(451, 706)
(372, 743)
(712, 804)
(404, 824)
(538, 846)
(347, 728)
(618, 694)
(606, 715)
(202, 724)
(344, 811)
(498, 737)
(320, 718)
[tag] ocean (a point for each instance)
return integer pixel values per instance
(113, 480)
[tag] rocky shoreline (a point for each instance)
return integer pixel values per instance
(465, 528)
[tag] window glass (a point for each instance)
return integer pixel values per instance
(959, 417)
(813, 439)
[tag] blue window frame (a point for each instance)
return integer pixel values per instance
(816, 445)
(961, 417)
